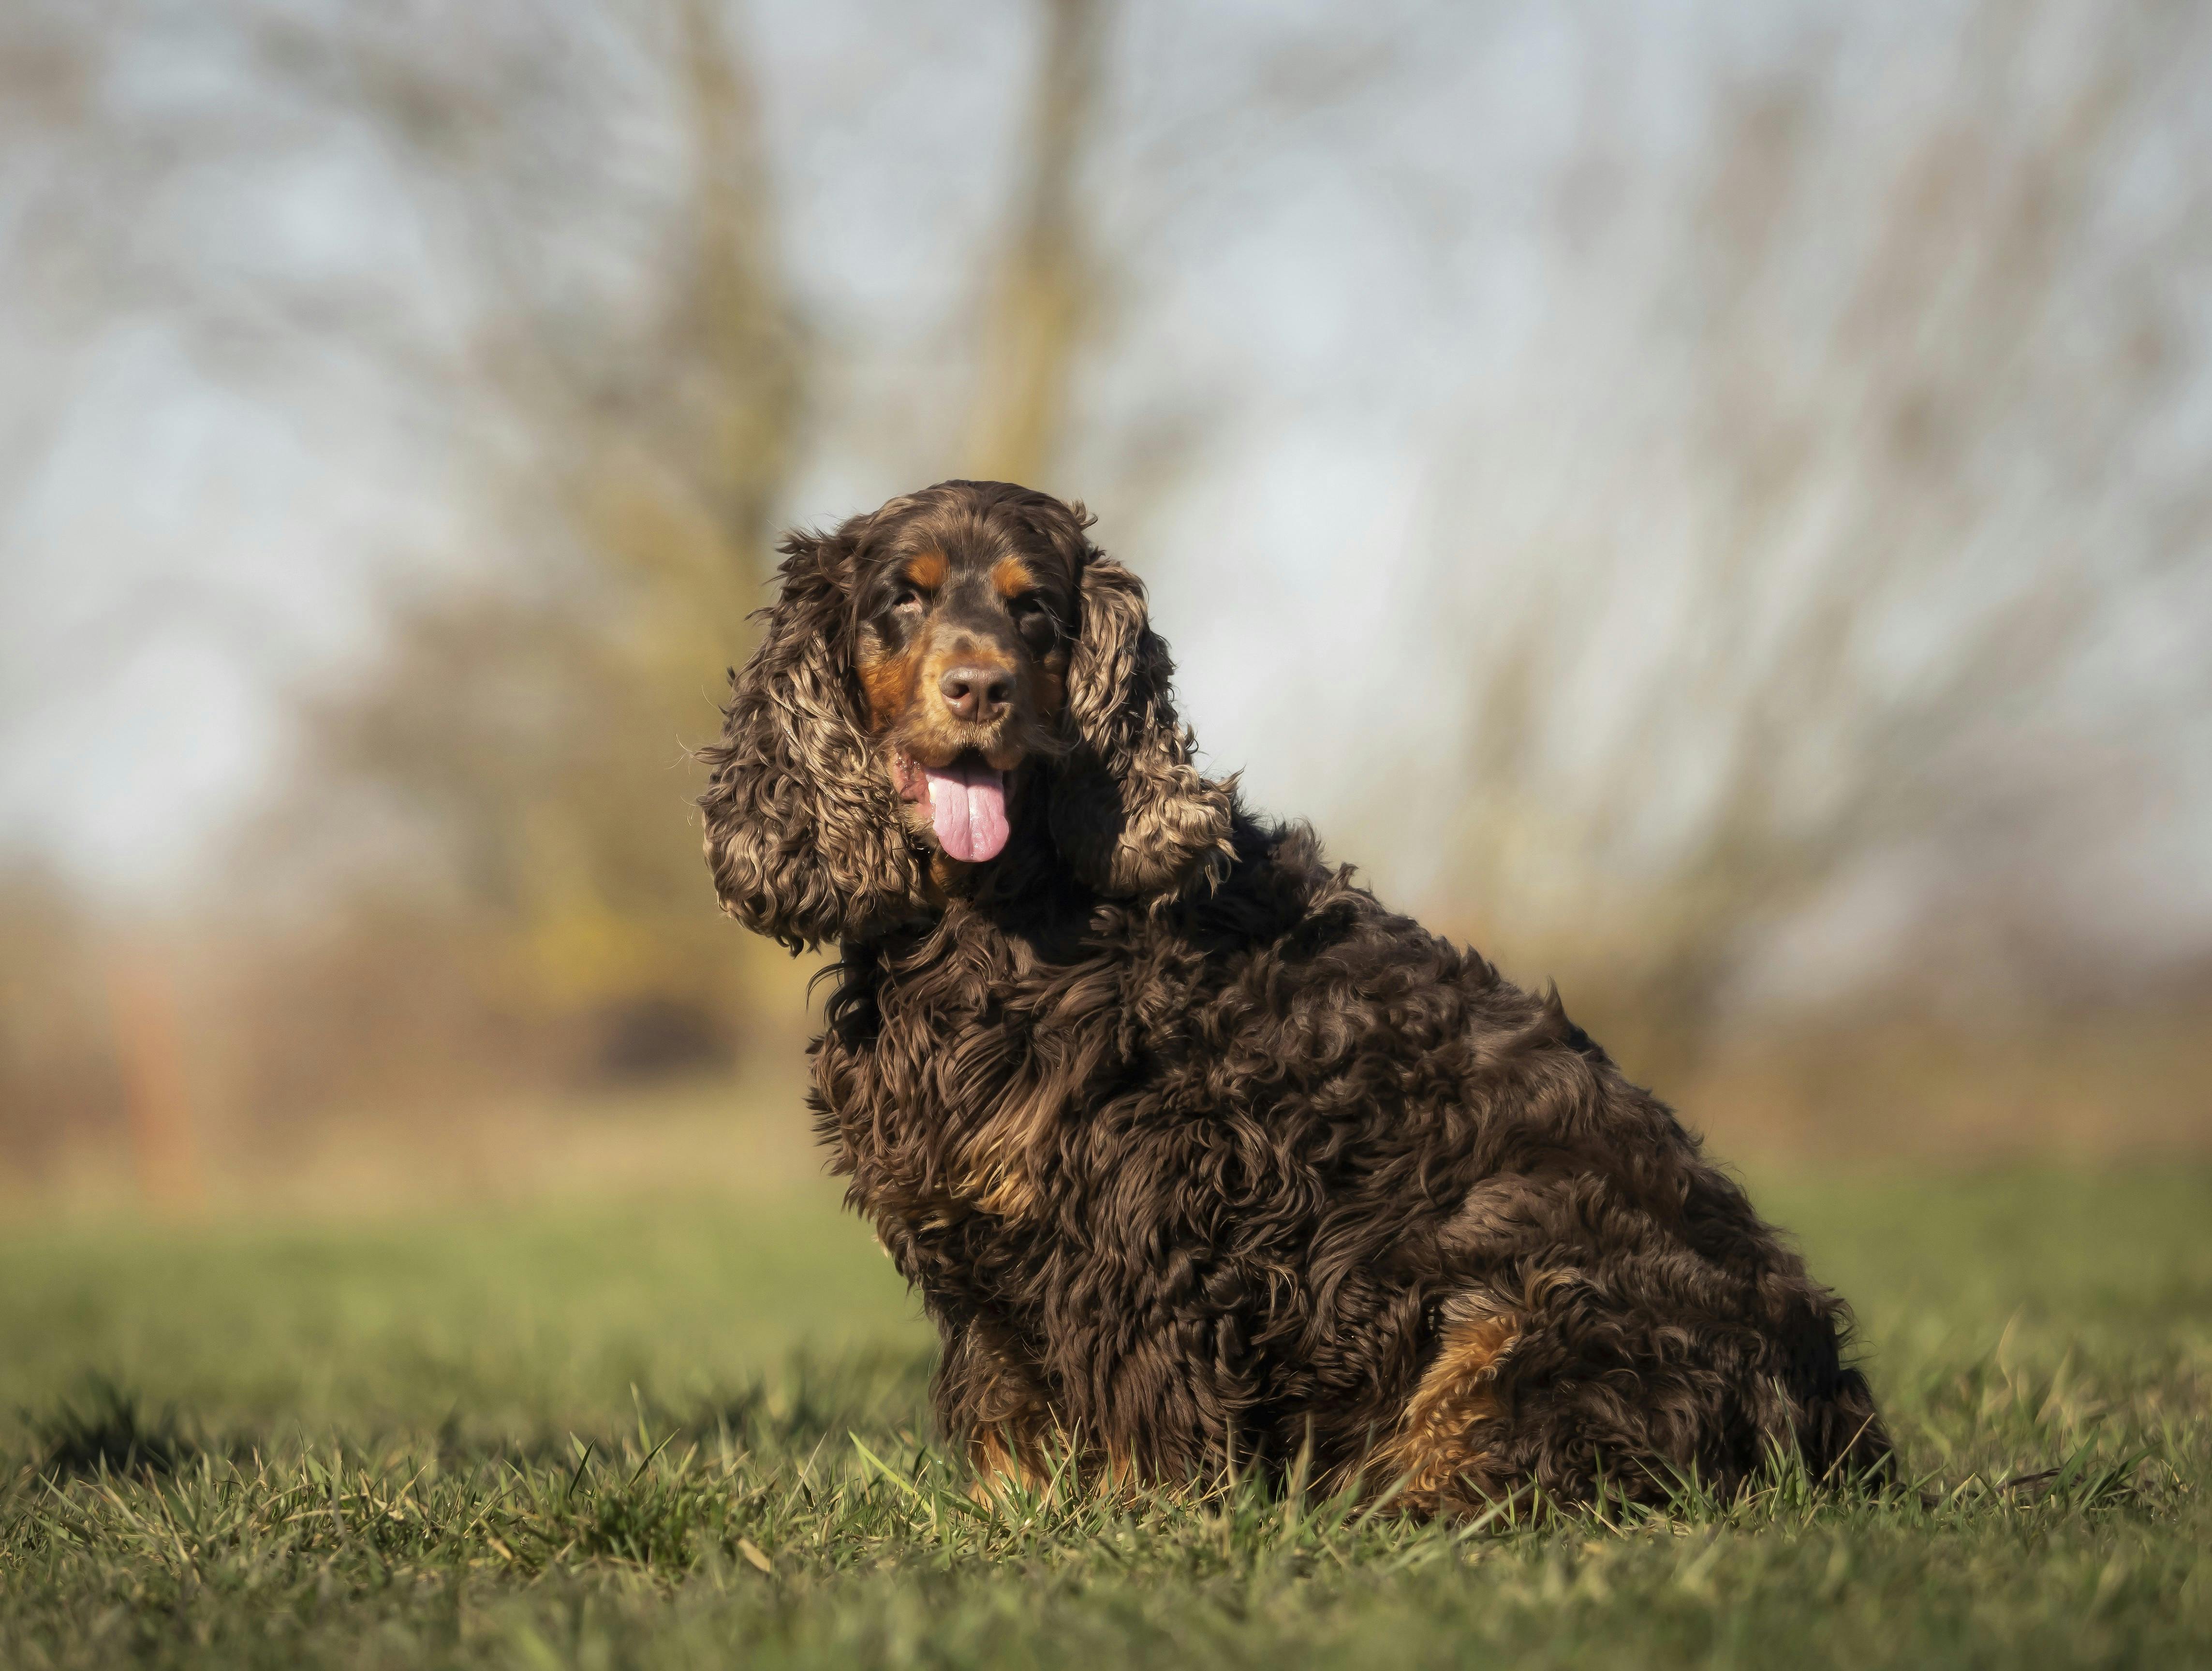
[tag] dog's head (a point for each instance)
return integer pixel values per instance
(961, 666)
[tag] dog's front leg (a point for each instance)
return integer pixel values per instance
(990, 1394)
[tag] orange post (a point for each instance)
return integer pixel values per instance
(149, 1045)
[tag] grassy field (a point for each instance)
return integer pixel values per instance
(693, 1433)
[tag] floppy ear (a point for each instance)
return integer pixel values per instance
(803, 832)
(1130, 814)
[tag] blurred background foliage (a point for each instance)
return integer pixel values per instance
(1713, 510)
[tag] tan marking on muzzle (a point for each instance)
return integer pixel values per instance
(888, 682)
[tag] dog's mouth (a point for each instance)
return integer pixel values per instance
(967, 802)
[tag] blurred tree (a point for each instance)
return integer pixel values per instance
(520, 737)
(594, 322)
(626, 392)
(60, 1080)
(1829, 509)
(1045, 294)
(1898, 487)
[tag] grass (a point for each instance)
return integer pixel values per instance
(695, 1434)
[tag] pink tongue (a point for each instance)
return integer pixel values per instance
(967, 806)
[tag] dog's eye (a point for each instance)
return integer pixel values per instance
(1032, 619)
(906, 598)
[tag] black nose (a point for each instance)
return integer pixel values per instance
(977, 695)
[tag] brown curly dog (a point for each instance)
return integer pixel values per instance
(1199, 1158)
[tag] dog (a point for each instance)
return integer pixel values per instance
(1200, 1159)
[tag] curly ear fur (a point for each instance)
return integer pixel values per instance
(1130, 813)
(803, 829)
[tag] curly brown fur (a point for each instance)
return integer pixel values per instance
(1197, 1155)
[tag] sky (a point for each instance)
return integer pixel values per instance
(1414, 321)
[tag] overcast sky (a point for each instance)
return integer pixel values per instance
(1401, 289)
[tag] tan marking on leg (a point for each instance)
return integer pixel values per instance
(1002, 1456)
(1013, 1423)
(1440, 1450)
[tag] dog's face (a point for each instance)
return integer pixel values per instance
(924, 669)
(963, 626)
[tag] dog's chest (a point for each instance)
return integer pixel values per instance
(957, 1103)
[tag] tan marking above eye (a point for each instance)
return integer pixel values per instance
(1010, 577)
(926, 569)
